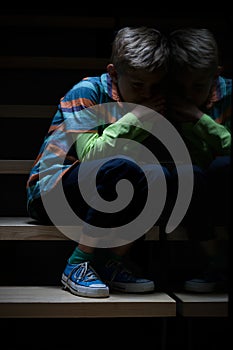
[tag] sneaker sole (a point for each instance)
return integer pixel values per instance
(133, 288)
(84, 291)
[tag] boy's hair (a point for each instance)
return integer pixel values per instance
(193, 48)
(139, 48)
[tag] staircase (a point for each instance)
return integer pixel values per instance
(43, 55)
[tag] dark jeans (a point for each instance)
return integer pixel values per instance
(109, 175)
(85, 201)
(209, 206)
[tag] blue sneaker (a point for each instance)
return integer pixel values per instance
(200, 285)
(121, 279)
(209, 281)
(82, 280)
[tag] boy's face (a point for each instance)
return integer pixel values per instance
(195, 86)
(139, 86)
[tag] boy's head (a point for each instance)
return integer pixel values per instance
(139, 62)
(139, 48)
(194, 60)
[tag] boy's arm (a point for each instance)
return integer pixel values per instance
(217, 136)
(90, 146)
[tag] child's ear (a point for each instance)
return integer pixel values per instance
(112, 72)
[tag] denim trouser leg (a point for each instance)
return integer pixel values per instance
(219, 187)
(210, 203)
(109, 175)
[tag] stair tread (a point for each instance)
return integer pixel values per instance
(53, 301)
(202, 304)
(25, 228)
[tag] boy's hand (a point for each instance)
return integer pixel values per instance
(157, 104)
(183, 110)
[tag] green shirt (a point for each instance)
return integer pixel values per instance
(91, 146)
(206, 140)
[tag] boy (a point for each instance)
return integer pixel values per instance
(139, 64)
(200, 106)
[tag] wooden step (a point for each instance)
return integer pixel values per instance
(42, 62)
(54, 302)
(202, 304)
(56, 21)
(15, 166)
(25, 228)
(27, 111)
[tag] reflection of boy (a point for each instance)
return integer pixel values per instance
(200, 107)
